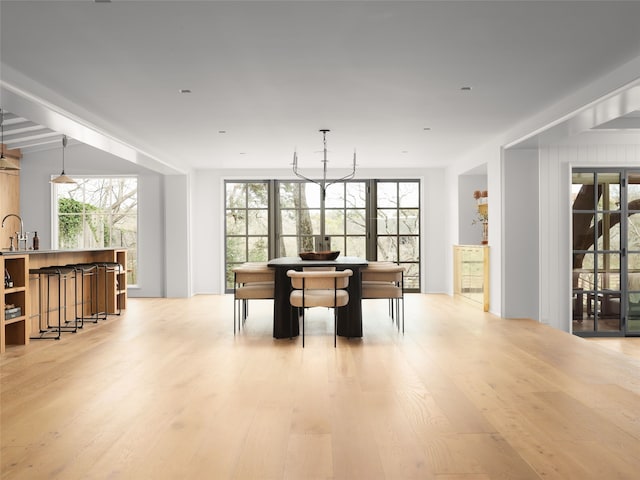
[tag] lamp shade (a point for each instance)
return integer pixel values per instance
(62, 178)
(7, 164)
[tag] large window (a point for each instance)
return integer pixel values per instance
(373, 219)
(98, 213)
(246, 224)
(300, 218)
(346, 218)
(398, 226)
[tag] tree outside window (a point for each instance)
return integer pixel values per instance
(99, 213)
(385, 226)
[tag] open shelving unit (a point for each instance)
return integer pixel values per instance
(121, 281)
(15, 331)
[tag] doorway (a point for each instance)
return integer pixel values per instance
(606, 252)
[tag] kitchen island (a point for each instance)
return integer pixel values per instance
(20, 321)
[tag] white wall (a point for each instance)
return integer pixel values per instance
(435, 225)
(520, 295)
(36, 206)
(207, 232)
(556, 162)
(208, 226)
(177, 230)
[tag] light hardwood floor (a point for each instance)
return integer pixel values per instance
(167, 392)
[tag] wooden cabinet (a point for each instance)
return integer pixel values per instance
(9, 197)
(121, 281)
(14, 311)
(471, 273)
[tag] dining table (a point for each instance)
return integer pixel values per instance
(285, 318)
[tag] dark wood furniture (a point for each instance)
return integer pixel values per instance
(285, 325)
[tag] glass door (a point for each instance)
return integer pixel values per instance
(246, 224)
(633, 253)
(597, 252)
(398, 227)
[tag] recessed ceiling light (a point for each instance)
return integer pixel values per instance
(184, 90)
(466, 89)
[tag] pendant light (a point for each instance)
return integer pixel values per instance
(325, 182)
(62, 178)
(5, 163)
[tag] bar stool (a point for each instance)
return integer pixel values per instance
(115, 268)
(62, 274)
(87, 271)
(94, 290)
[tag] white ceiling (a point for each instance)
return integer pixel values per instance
(384, 76)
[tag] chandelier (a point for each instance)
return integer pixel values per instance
(324, 184)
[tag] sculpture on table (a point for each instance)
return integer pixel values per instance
(482, 217)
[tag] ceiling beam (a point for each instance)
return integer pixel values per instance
(622, 123)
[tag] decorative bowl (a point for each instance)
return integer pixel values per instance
(319, 255)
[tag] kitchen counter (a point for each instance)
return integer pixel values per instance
(26, 290)
(6, 251)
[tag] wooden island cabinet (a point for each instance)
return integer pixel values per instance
(14, 311)
(19, 300)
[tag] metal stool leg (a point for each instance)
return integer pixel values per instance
(48, 329)
(62, 275)
(115, 268)
(87, 271)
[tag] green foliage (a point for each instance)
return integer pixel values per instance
(99, 212)
(70, 219)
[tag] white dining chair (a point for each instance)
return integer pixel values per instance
(252, 281)
(385, 280)
(319, 288)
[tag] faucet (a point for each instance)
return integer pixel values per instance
(21, 235)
